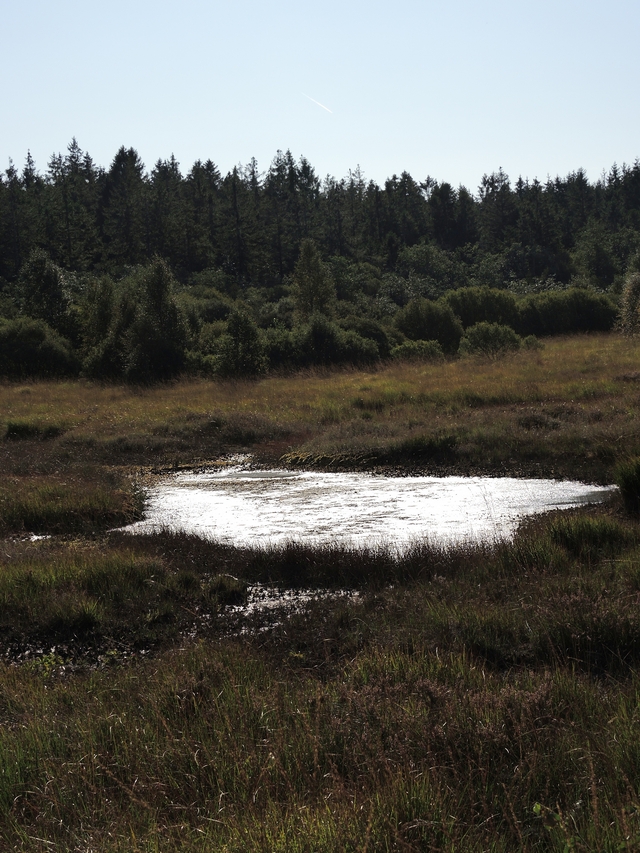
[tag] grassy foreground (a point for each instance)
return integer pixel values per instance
(466, 699)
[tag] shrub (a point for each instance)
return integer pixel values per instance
(477, 304)
(323, 342)
(418, 351)
(567, 311)
(424, 320)
(281, 348)
(31, 348)
(26, 430)
(241, 351)
(41, 286)
(147, 335)
(314, 289)
(155, 341)
(371, 330)
(489, 339)
(532, 343)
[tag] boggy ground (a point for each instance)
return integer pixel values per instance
(479, 698)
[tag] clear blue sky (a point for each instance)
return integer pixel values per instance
(449, 89)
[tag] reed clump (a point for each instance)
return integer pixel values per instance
(45, 505)
(627, 477)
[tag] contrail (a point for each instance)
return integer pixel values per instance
(318, 103)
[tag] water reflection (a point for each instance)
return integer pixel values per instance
(248, 507)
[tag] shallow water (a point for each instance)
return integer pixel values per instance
(245, 507)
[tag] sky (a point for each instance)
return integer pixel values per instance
(450, 89)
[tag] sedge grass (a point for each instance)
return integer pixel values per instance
(50, 505)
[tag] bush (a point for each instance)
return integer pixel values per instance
(567, 311)
(42, 290)
(489, 339)
(281, 348)
(147, 335)
(418, 351)
(155, 341)
(424, 320)
(371, 330)
(323, 342)
(483, 304)
(31, 348)
(532, 343)
(241, 351)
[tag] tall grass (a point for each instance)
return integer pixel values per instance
(39, 505)
(217, 749)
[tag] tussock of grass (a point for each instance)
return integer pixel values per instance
(627, 476)
(24, 430)
(47, 505)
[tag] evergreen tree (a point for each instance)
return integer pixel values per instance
(123, 216)
(42, 291)
(314, 288)
(156, 340)
(241, 351)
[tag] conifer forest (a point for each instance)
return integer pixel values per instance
(136, 274)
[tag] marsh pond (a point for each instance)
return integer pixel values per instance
(241, 506)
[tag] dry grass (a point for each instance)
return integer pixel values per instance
(577, 399)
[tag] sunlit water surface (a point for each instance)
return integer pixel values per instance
(246, 507)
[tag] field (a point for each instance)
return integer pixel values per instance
(482, 698)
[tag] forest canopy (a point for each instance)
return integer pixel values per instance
(139, 275)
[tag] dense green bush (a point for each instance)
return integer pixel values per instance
(322, 342)
(31, 348)
(630, 304)
(241, 352)
(371, 330)
(566, 311)
(425, 320)
(42, 291)
(281, 348)
(483, 304)
(418, 351)
(147, 334)
(490, 339)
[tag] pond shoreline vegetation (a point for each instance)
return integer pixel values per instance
(478, 697)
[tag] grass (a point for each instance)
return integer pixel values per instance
(50, 505)
(488, 703)
(570, 408)
(477, 698)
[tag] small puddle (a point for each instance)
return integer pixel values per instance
(260, 508)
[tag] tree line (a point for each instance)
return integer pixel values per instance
(258, 270)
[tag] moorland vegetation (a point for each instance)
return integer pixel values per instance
(479, 697)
